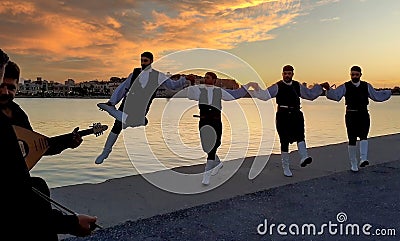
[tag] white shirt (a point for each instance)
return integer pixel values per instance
(340, 91)
(121, 91)
(193, 93)
(305, 93)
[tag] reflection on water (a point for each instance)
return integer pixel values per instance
(172, 136)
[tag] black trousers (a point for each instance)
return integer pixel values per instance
(290, 127)
(357, 125)
(210, 135)
(42, 210)
(117, 127)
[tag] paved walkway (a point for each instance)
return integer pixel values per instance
(368, 197)
(132, 198)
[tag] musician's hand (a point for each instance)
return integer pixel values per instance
(76, 139)
(85, 225)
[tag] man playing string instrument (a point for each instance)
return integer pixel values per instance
(34, 219)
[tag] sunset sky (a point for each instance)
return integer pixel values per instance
(98, 39)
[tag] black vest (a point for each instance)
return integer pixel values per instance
(139, 98)
(213, 110)
(135, 74)
(288, 95)
(356, 98)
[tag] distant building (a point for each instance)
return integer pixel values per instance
(28, 88)
(70, 82)
(96, 88)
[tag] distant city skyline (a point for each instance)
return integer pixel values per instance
(88, 40)
(121, 78)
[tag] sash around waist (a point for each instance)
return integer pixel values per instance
(288, 108)
(354, 108)
(209, 117)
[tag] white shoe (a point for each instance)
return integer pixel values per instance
(206, 178)
(287, 172)
(364, 163)
(105, 107)
(353, 158)
(354, 167)
(104, 155)
(216, 169)
(364, 153)
(111, 139)
(111, 110)
(286, 164)
(305, 161)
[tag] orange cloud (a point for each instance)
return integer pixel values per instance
(223, 26)
(113, 22)
(91, 41)
(15, 8)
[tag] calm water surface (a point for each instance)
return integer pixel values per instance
(172, 137)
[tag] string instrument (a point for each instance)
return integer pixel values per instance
(34, 145)
(93, 226)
